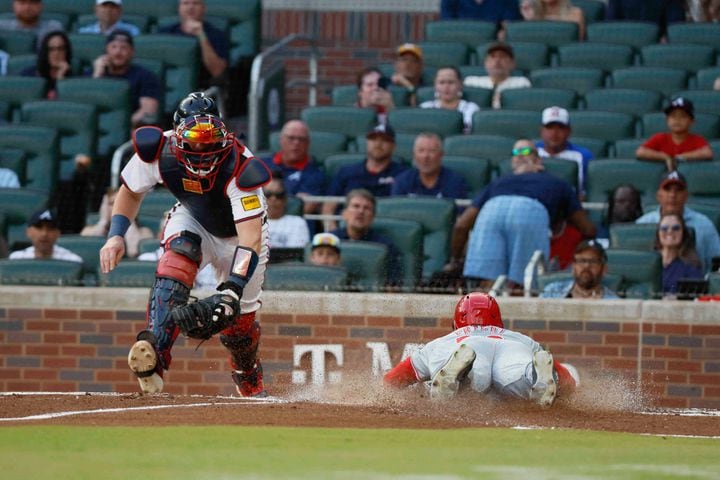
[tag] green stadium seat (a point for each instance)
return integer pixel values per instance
(14, 159)
(537, 98)
(344, 95)
(579, 79)
(154, 206)
(152, 10)
(705, 78)
(221, 23)
(436, 215)
(17, 42)
(469, 32)
(607, 126)
(491, 147)
(633, 236)
(437, 54)
(626, 147)
(86, 48)
(42, 153)
(508, 123)
(72, 8)
(17, 204)
(305, 277)
(528, 55)
(714, 283)
(641, 272)
(334, 163)
(294, 205)
(603, 176)
(17, 63)
(604, 56)
(130, 273)
(16, 90)
(597, 146)
(705, 124)
(89, 250)
(715, 145)
(417, 120)
(624, 100)
(696, 33)
(407, 236)
(682, 56)
(708, 207)
(481, 96)
(366, 264)
(40, 272)
(76, 123)
(475, 171)
(593, 10)
(349, 121)
(148, 245)
(244, 18)
(552, 33)
(657, 79)
(703, 179)
(705, 101)
(634, 34)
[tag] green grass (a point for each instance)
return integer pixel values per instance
(177, 453)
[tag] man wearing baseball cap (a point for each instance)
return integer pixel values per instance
(43, 232)
(28, 19)
(588, 269)
(325, 250)
(555, 132)
(408, 68)
(677, 144)
(499, 65)
(672, 195)
(108, 13)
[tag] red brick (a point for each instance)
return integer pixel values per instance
(60, 338)
(705, 379)
(670, 353)
(59, 387)
(705, 329)
(602, 351)
(665, 377)
(114, 328)
(79, 326)
(672, 329)
(9, 373)
(330, 332)
(114, 375)
(551, 337)
(628, 351)
(42, 349)
(188, 377)
(60, 362)
(667, 402)
(428, 334)
(684, 366)
(567, 349)
(712, 392)
(388, 322)
(349, 320)
(312, 319)
(24, 313)
(278, 342)
(42, 325)
(266, 318)
(97, 315)
(614, 339)
(619, 364)
(403, 335)
(79, 350)
(629, 328)
(35, 374)
(23, 386)
(704, 403)
(203, 365)
(10, 349)
(60, 314)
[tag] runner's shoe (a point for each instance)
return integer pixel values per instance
(143, 361)
(249, 383)
(446, 381)
(545, 387)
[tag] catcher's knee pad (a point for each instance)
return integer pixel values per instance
(242, 340)
(181, 258)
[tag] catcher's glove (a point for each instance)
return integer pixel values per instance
(206, 317)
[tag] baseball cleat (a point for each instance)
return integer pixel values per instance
(142, 360)
(250, 383)
(545, 387)
(446, 381)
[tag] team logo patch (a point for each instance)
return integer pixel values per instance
(251, 203)
(192, 186)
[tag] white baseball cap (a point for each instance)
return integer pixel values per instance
(555, 115)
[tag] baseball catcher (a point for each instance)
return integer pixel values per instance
(220, 218)
(488, 355)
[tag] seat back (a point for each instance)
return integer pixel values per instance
(17, 204)
(627, 147)
(86, 47)
(17, 63)
(537, 98)
(551, 32)
(42, 153)
(603, 176)
(154, 205)
(597, 146)
(695, 33)
(407, 236)
(657, 79)
(632, 101)
(13, 159)
(714, 283)
(366, 264)
(17, 42)
(593, 10)
(40, 272)
(305, 277)
(244, 18)
(469, 32)
(334, 163)
(475, 171)
(130, 273)
(634, 34)
(633, 236)
(579, 79)
(641, 272)
(705, 77)
(683, 56)
(437, 54)
(605, 56)
(495, 148)
(608, 126)
(705, 124)
(703, 178)
(507, 123)
(417, 120)
(89, 250)
(436, 215)
(350, 121)
(16, 90)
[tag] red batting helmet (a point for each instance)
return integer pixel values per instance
(477, 309)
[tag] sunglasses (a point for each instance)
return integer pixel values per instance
(275, 195)
(588, 261)
(523, 151)
(666, 228)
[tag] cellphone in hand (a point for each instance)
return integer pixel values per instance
(384, 83)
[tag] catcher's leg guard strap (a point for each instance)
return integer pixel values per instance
(242, 341)
(181, 258)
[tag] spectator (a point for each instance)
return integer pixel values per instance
(624, 206)
(495, 11)
(358, 214)
(529, 9)
(679, 258)
(499, 65)
(373, 93)
(27, 19)
(409, 69)
(325, 250)
(555, 133)
(286, 231)
(43, 232)
(376, 173)
(300, 172)
(429, 177)
(109, 14)
(214, 49)
(8, 178)
(54, 62)
(588, 269)
(134, 235)
(561, 10)
(678, 144)
(448, 95)
(71, 195)
(672, 195)
(660, 12)
(145, 89)
(716, 85)
(512, 218)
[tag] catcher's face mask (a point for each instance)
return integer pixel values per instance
(202, 143)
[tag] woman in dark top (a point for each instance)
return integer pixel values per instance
(54, 61)
(680, 260)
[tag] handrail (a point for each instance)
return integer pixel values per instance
(535, 265)
(255, 92)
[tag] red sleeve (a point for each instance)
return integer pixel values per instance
(402, 375)
(694, 142)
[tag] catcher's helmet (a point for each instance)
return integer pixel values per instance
(195, 104)
(201, 144)
(477, 309)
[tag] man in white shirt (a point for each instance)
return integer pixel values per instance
(43, 232)
(8, 178)
(499, 65)
(286, 231)
(109, 13)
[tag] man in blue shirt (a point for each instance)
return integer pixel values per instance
(108, 13)
(588, 269)
(429, 177)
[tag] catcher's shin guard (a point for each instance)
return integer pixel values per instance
(242, 341)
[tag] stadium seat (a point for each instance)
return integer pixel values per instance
(417, 120)
(130, 273)
(469, 32)
(16, 90)
(528, 55)
(495, 148)
(14, 159)
(633, 236)
(17, 63)
(481, 96)
(672, 55)
(705, 78)
(641, 272)
(349, 121)
(333, 163)
(475, 171)
(154, 205)
(604, 56)
(344, 95)
(607, 126)
(603, 176)
(436, 215)
(294, 205)
(714, 283)
(86, 48)
(705, 101)
(624, 100)
(89, 250)
(407, 236)
(715, 145)
(508, 123)
(244, 18)
(703, 179)
(152, 10)
(76, 124)
(437, 54)
(579, 79)
(17, 42)
(705, 124)
(42, 153)
(626, 147)
(305, 277)
(40, 272)
(148, 245)
(552, 33)
(113, 109)
(634, 34)
(71, 8)
(593, 10)
(708, 207)
(537, 98)
(17, 204)
(366, 264)
(695, 33)
(657, 79)
(597, 146)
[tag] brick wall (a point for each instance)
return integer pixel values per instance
(74, 339)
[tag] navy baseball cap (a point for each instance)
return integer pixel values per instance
(42, 216)
(384, 130)
(120, 34)
(681, 103)
(592, 245)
